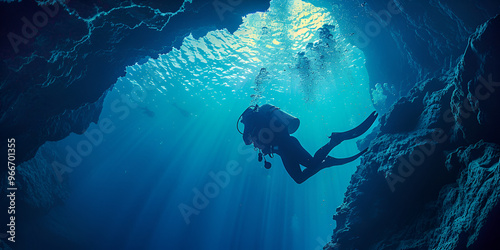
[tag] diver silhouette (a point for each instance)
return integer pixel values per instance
(269, 129)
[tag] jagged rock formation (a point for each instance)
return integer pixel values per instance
(431, 177)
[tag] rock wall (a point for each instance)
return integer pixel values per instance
(430, 179)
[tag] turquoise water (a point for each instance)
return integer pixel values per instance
(128, 190)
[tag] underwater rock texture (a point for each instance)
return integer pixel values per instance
(55, 71)
(430, 179)
(41, 189)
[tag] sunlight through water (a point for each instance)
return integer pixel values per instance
(175, 128)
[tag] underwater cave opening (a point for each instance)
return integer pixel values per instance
(178, 128)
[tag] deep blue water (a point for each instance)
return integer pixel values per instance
(126, 191)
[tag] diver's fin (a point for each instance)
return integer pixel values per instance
(357, 131)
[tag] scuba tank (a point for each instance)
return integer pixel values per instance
(291, 122)
(267, 117)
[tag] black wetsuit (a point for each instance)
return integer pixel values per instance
(268, 135)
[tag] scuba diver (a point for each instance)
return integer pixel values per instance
(269, 129)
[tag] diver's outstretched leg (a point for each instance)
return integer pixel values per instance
(332, 161)
(357, 131)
